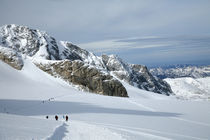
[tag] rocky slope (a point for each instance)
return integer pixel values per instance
(89, 78)
(73, 64)
(136, 75)
(185, 71)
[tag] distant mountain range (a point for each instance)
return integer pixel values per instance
(99, 74)
(178, 71)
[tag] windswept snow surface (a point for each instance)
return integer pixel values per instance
(29, 95)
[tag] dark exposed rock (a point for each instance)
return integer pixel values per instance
(89, 78)
(145, 80)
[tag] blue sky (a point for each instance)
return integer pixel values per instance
(140, 31)
(156, 50)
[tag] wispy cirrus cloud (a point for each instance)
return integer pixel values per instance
(118, 44)
(156, 50)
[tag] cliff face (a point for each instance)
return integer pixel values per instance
(73, 64)
(88, 78)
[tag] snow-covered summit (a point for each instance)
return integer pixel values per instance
(114, 63)
(29, 41)
(73, 52)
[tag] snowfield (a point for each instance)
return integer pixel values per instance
(29, 95)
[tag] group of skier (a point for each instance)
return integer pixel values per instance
(56, 117)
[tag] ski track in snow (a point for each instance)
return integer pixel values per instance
(78, 130)
(154, 110)
(133, 130)
(141, 105)
(190, 121)
(148, 132)
(59, 133)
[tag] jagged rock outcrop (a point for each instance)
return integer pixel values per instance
(11, 57)
(89, 78)
(144, 80)
(136, 75)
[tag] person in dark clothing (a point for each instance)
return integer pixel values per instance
(47, 117)
(67, 118)
(56, 117)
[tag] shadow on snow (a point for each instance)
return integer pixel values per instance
(35, 107)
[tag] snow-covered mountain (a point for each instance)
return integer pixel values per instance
(190, 88)
(178, 72)
(75, 65)
(39, 44)
(187, 82)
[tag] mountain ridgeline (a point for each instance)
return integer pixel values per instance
(99, 74)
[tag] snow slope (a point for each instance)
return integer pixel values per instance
(27, 96)
(190, 88)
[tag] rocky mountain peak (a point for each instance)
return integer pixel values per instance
(82, 68)
(114, 63)
(29, 41)
(73, 52)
